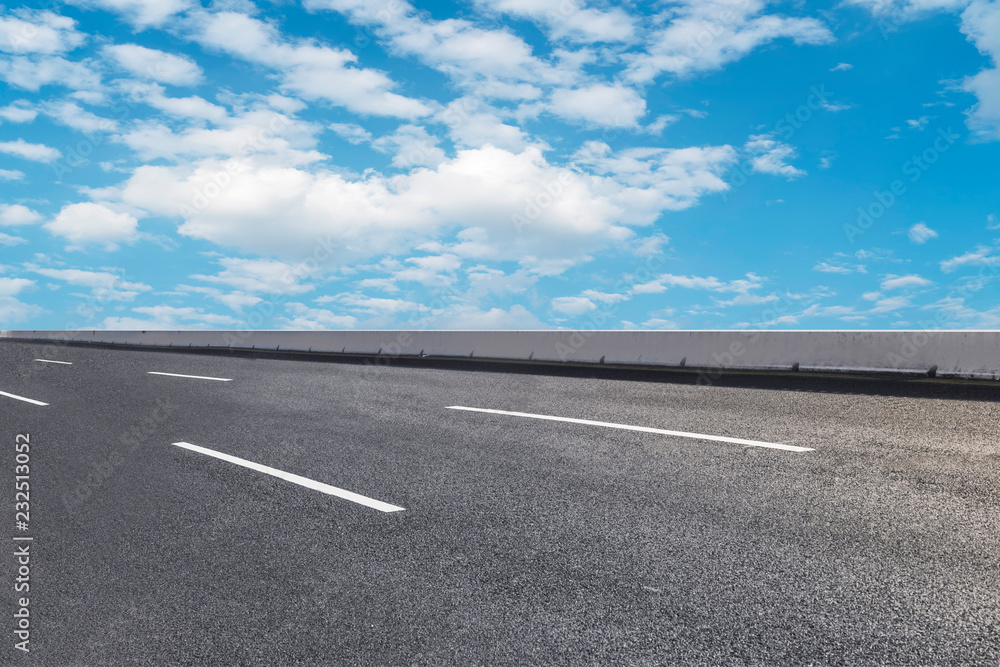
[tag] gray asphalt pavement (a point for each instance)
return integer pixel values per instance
(522, 541)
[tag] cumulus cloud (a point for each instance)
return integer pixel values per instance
(769, 156)
(906, 10)
(903, 282)
(981, 24)
(14, 113)
(33, 72)
(570, 20)
(141, 13)
(352, 132)
(13, 286)
(89, 222)
(521, 204)
(17, 214)
(469, 54)
(411, 146)
(29, 151)
(705, 35)
(710, 283)
(267, 276)
(103, 285)
(311, 70)
(472, 124)
(600, 104)
(981, 256)
(40, 32)
(165, 317)
(921, 233)
(155, 65)
(573, 305)
(302, 316)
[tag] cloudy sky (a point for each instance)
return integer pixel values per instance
(500, 164)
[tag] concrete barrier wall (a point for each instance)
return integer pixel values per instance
(971, 354)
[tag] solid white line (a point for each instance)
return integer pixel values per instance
(22, 398)
(287, 476)
(194, 377)
(644, 429)
(53, 361)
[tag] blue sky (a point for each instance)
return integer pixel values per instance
(500, 164)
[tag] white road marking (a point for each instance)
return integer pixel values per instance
(296, 479)
(22, 398)
(194, 377)
(53, 361)
(644, 429)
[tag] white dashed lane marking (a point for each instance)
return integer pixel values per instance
(295, 479)
(644, 429)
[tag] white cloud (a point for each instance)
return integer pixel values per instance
(835, 108)
(465, 317)
(38, 32)
(981, 256)
(570, 21)
(573, 305)
(918, 123)
(13, 286)
(304, 317)
(601, 104)
(456, 47)
(360, 303)
(234, 300)
(981, 24)
(308, 69)
(88, 222)
(524, 206)
(472, 124)
(31, 73)
(769, 156)
(71, 115)
(156, 65)
(842, 67)
(705, 35)
(17, 214)
(165, 317)
(907, 10)
(604, 297)
(411, 146)
(660, 324)
(665, 179)
(8, 240)
(845, 269)
(141, 13)
(267, 276)
(921, 233)
(14, 113)
(433, 270)
(11, 175)
(103, 285)
(890, 304)
(904, 282)
(710, 283)
(35, 152)
(13, 311)
(352, 132)
(991, 222)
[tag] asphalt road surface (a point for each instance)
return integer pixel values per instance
(416, 533)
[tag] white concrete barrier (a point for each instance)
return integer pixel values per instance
(969, 354)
